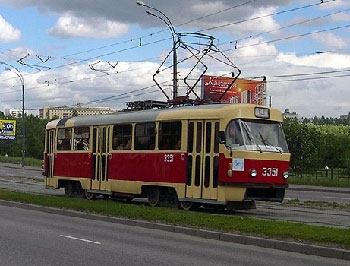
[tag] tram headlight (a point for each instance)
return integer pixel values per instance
(253, 173)
(285, 175)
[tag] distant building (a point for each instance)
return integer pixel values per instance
(345, 116)
(288, 114)
(50, 112)
(14, 113)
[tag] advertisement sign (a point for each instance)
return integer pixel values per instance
(7, 129)
(241, 91)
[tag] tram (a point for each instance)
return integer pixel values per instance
(219, 155)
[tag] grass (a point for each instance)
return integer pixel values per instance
(18, 160)
(319, 181)
(222, 222)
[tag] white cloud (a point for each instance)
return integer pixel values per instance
(323, 60)
(72, 81)
(341, 17)
(331, 41)
(70, 26)
(260, 21)
(334, 4)
(8, 33)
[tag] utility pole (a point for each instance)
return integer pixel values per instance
(168, 22)
(20, 76)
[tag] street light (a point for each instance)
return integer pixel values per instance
(19, 75)
(167, 21)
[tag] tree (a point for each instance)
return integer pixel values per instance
(303, 144)
(34, 138)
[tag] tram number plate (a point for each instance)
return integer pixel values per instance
(268, 171)
(168, 158)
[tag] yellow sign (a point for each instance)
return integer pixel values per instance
(7, 129)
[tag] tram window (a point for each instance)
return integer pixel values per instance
(233, 134)
(216, 137)
(64, 139)
(145, 136)
(197, 176)
(122, 137)
(189, 170)
(169, 135)
(208, 137)
(199, 137)
(216, 172)
(190, 137)
(207, 172)
(81, 138)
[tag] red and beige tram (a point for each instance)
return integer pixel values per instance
(219, 154)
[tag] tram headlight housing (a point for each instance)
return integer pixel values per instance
(285, 175)
(253, 173)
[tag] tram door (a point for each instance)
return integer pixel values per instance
(203, 159)
(50, 156)
(100, 149)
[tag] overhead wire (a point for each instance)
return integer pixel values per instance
(164, 39)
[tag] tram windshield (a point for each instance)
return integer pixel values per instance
(257, 135)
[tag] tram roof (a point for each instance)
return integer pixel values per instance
(210, 111)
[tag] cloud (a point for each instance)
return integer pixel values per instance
(331, 41)
(323, 60)
(69, 26)
(262, 50)
(8, 33)
(334, 4)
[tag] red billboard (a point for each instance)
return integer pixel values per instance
(240, 91)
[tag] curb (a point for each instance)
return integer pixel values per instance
(289, 246)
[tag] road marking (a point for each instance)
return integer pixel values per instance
(81, 239)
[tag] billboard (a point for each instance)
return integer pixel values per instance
(7, 129)
(241, 91)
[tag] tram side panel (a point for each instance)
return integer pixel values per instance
(68, 164)
(129, 171)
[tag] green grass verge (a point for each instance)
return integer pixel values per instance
(233, 223)
(319, 181)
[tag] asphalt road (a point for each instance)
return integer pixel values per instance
(33, 237)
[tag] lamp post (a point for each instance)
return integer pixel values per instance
(20, 76)
(167, 21)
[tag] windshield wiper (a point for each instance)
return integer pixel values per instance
(267, 143)
(249, 135)
(262, 139)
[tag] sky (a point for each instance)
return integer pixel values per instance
(107, 52)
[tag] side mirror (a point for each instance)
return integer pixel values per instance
(222, 137)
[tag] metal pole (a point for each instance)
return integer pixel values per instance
(18, 73)
(23, 125)
(174, 70)
(168, 22)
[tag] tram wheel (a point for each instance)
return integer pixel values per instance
(153, 195)
(89, 195)
(186, 205)
(68, 189)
